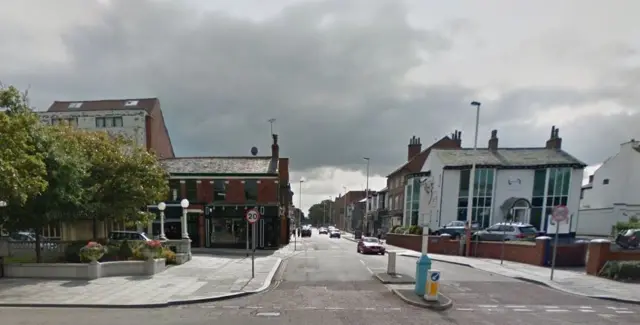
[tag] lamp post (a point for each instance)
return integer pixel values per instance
(366, 194)
(184, 204)
(324, 213)
(161, 207)
(331, 205)
(472, 180)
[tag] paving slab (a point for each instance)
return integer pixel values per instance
(408, 295)
(204, 278)
(395, 278)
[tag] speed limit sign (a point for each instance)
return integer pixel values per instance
(252, 215)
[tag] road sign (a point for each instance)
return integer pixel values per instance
(433, 286)
(252, 215)
(560, 213)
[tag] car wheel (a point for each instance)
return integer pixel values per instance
(436, 233)
(358, 250)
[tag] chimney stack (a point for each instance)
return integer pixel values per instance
(414, 147)
(555, 141)
(457, 137)
(275, 149)
(493, 141)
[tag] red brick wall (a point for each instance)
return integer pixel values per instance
(158, 135)
(268, 191)
(205, 191)
(600, 253)
(235, 192)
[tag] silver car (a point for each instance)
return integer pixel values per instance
(507, 230)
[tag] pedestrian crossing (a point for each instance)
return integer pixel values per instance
(602, 311)
(292, 308)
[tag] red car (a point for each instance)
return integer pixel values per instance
(371, 245)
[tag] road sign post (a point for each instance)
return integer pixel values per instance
(433, 286)
(560, 214)
(252, 216)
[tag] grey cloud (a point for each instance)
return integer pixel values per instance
(335, 90)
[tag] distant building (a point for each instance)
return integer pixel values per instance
(139, 120)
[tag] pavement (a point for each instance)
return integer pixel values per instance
(326, 282)
(204, 278)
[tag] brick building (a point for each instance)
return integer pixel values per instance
(139, 120)
(415, 160)
(340, 216)
(220, 190)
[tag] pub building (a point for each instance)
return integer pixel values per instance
(220, 190)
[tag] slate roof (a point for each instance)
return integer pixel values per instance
(148, 104)
(507, 158)
(220, 165)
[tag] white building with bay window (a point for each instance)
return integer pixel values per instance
(513, 184)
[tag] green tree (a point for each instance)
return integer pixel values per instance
(123, 179)
(66, 171)
(22, 166)
(319, 212)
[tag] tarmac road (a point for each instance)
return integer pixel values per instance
(327, 282)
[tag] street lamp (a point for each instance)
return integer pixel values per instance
(366, 193)
(472, 178)
(161, 207)
(184, 204)
(297, 221)
(331, 205)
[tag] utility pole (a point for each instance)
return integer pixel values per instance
(366, 202)
(271, 121)
(472, 180)
(344, 216)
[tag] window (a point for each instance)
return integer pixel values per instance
(219, 190)
(557, 189)
(131, 103)
(107, 122)
(605, 181)
(174, 189)
(482, 195)
(75, 105)
(251, 190)
(537, 197)
(192, 190)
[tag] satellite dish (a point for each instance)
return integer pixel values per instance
(254, 151)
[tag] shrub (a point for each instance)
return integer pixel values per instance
(621, 270)
(72, 251)
(136, 254)
(124, 251)
(399, 230)
(415, 230)
(168, 255)
(111, 253)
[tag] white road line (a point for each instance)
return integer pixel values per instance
(254, 307)
(488, 306)
(464, 309)
(269, 314)
(617, 308)
(231, 307)
(366, 267)
(587, 310)
(515, 306)
(394, 308)
(310, 308)
(334, 308)
(624, 312)
(557, 310)
(606, 315)
(522, 310)
(585, 307)
(550, 307)
(363, 263)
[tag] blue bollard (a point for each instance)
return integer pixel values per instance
(422, 266)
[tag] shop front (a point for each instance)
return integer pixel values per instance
(226, 226)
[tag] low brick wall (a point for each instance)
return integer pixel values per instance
(534, 253)
(600, 251)
(84, 271)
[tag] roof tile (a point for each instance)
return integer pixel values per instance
(506, 157)
(220, 165)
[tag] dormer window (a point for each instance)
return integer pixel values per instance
(131, 103)
(75, 105)
(605, 181)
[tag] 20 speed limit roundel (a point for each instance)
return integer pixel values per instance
(252, 215)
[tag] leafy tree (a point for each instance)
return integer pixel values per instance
(66, 171)
(319, 213)
(22, 166)
(123, 179)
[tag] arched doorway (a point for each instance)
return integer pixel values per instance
(516, 209)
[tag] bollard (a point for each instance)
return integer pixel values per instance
(432, 286)
(391, 264)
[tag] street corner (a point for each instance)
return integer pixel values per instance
(409, 296)
(397, 278)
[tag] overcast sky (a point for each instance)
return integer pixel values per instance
(344, 79)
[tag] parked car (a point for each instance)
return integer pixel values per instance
(29, 237)
(306, 231)
(507, 230)
(335, 233)
(120, 235)
(371, 245)
(456, 229)
(323, 231)
(629, 239)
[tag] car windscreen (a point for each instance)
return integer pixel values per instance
(528, 230)
(371, 240)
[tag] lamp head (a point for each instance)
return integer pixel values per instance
(184, 203)
(162, 206)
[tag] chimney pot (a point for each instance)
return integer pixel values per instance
(275, 148)
(493, 141)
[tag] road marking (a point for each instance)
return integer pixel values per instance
(515, 306)
(587, 310)
(617, 308)
(334, 308)
(585, 307)
(254, 307)
(606, 315)
(557, 310)
(522, 310)
(366, 267)
(488, 306)
(624, 312)
(269, 314)
(231, 307)
(550, 307)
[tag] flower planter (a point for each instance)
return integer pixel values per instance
(92, 252)
(151, 249)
